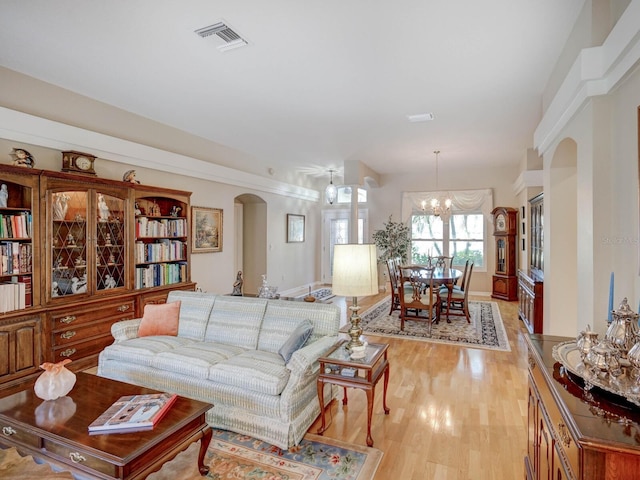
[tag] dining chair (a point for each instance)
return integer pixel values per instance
(457, 300)
(417, 294)
(441, 261)
(392, 267)
(455, 286)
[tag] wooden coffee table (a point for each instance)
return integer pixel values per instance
(56, 430)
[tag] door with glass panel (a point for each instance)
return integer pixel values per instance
(335, 231)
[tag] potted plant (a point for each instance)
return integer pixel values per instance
(394, 240)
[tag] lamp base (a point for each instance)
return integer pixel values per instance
(356, 330)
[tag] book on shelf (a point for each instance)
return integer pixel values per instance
(133, 413)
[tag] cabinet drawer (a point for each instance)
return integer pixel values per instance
(567, 448)
(14, 436)
(79, 458)
(81, 350)
(102, 311)
(73, 334)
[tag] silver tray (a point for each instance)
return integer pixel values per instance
(568, 355)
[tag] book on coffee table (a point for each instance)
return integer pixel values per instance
(133, 413)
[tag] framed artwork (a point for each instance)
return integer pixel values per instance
(206, 230)
(295, 228)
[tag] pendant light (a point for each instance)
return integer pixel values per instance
(331, 192)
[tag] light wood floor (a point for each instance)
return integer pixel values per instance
(456, 413)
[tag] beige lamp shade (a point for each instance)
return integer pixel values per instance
(355, 270)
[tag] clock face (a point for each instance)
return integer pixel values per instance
(501, 224)
(83, 163)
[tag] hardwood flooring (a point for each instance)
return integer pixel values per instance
(456, 413)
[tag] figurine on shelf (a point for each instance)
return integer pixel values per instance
(55, 291)
(60, 206)
(155, 210)
(130, 176)
(23, 158)
(109, 282)
(103, 208)
(79, 285)
(237, 285)
(78, 218)
(112, 259)
(137, 209)
(175, 210)
(80, 262)
(70, 240)
(4, 195)
(107, 240)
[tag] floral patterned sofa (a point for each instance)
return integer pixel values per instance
(228, 351)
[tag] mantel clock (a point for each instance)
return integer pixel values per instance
(78, 162)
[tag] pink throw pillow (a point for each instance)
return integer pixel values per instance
(160, 319)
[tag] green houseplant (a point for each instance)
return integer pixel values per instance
(394, 240)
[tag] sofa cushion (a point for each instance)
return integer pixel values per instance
(142, 350)
(236, 321)
(296, 340)
(194, 360)
(255, 370)
(195, 308)
(161, 319)
(280, 319)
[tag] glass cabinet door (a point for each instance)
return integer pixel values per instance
(69, 239)
(87, 252)
(110, 242)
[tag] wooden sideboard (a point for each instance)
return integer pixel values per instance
(530, 288)
(573, 434)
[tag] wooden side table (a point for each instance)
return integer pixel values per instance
(335, 368)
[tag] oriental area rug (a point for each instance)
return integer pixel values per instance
(234, 456)
(486, 329)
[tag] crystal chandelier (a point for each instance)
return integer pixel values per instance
(331, 192)
(439, 208)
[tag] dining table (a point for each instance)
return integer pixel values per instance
(441, 276)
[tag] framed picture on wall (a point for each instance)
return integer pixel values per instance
(206, 230)
(295, 228)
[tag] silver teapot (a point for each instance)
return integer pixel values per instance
(623, 332)
(602, 359)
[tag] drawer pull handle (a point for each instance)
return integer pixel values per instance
(68, 352)
(8, 431)
(123, 308)
(68, 334)
(68, 319)
(76, 457)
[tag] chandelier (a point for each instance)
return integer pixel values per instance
(331, 192)
(439, 208)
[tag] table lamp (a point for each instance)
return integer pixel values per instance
(355, 273)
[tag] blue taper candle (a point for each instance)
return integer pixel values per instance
(610, 298)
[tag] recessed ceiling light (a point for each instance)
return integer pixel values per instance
(421, 117)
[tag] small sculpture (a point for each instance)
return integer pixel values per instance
(4, 195)
(237, 285)
(55, 382)
(110, 282)
(70, 240)
(60, 206)
(103, 208)
(130, 176)
(175, 210)
(55, 290)
(137, 210)
(107, 240)
(23, 158)
(79, 285)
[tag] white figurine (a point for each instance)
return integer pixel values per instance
(110, 282)
(4, 196)
(79, 285)
(103, 208)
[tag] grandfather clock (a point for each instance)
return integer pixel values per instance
(505, 280)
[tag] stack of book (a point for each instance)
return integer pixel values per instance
(133, 413)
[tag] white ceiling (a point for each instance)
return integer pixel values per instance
(321, 82)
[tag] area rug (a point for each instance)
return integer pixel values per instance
(320, 294)
(234, 456)
(486, 329)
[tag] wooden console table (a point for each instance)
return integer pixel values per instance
(572, 433)
(368, 371)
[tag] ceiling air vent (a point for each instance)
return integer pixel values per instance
(224, 34)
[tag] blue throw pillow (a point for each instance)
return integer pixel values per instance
(296, 340)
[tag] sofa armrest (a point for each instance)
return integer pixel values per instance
(307, 357)
(125, 329)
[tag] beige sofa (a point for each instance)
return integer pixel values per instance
(227, 352)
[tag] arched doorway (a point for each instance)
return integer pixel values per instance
(250, 213)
